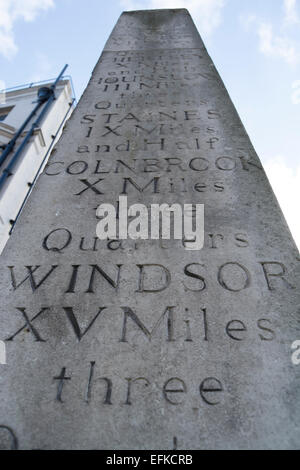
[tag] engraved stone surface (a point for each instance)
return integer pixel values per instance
(143, 344)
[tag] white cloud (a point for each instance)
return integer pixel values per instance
(290, 12)
(296, 92)
(285, 181)
(206, 13)
(276, 46)
(12, 11)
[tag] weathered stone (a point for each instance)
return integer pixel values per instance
(89, 364)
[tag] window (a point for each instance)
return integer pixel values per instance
(4, 112)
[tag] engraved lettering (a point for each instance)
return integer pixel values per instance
(74, 323)
(128, 313)
(33, 283)
(61, 378)
(60, 231)
(168, 389)
(236, 286)
(210, 386)
(274, 270)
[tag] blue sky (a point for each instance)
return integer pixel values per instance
(255, 45)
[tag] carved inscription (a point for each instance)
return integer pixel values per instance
(130, 391)
(189, 326)
(232, 276)
(145, 324)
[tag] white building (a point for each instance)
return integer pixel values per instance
(21, 164)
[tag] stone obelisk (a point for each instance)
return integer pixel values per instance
(143, 344)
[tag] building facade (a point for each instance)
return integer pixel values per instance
(32, 118)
